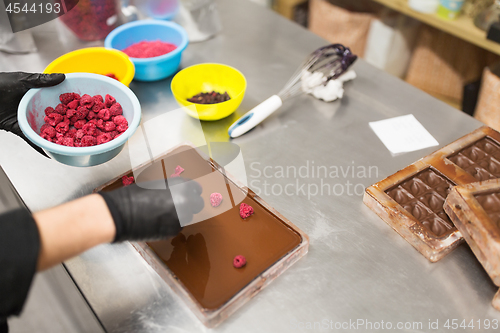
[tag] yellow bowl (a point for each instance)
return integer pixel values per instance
(97, 60)
(206, 78)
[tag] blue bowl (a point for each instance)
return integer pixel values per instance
(31, 113)
(156, 68)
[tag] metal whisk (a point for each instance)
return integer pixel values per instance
(331, 60)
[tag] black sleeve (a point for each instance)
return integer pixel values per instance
(19, 247)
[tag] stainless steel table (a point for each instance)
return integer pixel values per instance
(358, 270)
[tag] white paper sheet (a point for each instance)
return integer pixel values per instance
(403, 134)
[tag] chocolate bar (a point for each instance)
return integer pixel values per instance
(475, 211)
(198, 263)
(411, 200)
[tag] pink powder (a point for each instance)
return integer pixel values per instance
(147, 49)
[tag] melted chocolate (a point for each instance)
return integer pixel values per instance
(480, 159)
(423, 196)
(491, 205)
(201, 256)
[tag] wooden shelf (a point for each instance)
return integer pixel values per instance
(462, 27)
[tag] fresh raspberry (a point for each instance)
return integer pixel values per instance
(49, 110)
(53, 119)
(71, 133)
(100, 124)
(113, 76)
(48, 130)
(46, 137)
(120, 120)
(86, 101)
(78, 143)
(66, 98)
(127, 180)
(114, 134)
(177, 172)
(70, 113)
(245, 210)
(61, 109)
(59, 135)
(98, 106)
(122, 128)
(79, 134)
(80, 123)
(91, 115)
(68, 142)
(73, 104)
(81, 112)
(73, 120)
(98, 98)
(104, 114)
(62, 127)
(116, 109)
(239, 261)
(88, 141)
(109, 100)
(89, 129)
(109, 126)
(215, 199)
(65, 120)
(103, 138)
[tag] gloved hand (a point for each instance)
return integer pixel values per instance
(142, 213)
(13, 86)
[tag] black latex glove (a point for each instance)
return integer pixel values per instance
(145, 214)
(13, 86)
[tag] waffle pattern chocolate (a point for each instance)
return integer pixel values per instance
(411, 200)
(481, 159)
(475, 211)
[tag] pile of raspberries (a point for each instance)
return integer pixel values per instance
(83, 121)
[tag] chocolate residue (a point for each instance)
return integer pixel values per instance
(480, 159)
(201, 256)
(423, 196)
(491, 205)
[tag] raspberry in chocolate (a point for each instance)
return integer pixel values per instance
(127, 180)
(239, 261)
(215, 199)
(245, 210)
(178, 171)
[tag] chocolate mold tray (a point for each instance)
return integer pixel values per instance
(411, 200)
(475, 211)
(197, 264)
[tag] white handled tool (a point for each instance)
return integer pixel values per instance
(254, 117)
(331, 60)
